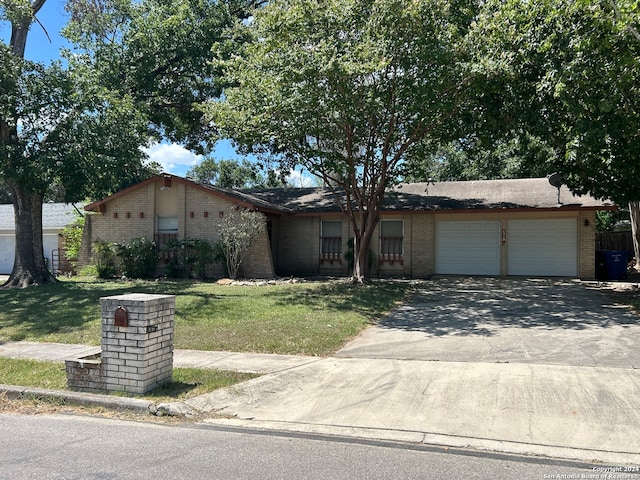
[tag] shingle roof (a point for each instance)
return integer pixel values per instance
(527, 193)
(482, 194)
(55, 216)
(297, 199)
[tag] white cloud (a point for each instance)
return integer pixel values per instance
(173, 158)
(301, 179)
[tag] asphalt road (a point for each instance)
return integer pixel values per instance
(68, 447)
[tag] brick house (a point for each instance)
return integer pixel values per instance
(523, 227)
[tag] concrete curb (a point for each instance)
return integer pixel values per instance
(80, 398)
(585, 456)
(85, 399)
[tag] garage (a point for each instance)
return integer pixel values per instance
(55, 216)
(7, 243)
(468, 247)
(544, 247)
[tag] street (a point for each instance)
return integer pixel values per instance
(66, 447)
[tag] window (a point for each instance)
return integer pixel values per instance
(391, 233)
(167, 231)
(331, 241)
(168, 225)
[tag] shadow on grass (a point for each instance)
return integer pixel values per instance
(67, 306)
(373, 300)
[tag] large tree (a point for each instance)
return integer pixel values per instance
(569, 72)
(348, 89)
(56, 127)
(233, 174)
(472, 158)
(139, 72)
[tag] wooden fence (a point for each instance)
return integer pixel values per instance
(614, 241)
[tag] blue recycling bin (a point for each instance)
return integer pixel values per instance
(611, 264)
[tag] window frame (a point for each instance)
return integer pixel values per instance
(391, 247)
(330, 245)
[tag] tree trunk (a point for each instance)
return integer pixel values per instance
(634, 211)
(361, 247)
(29, 266)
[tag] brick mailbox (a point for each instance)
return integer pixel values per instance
(137, 346)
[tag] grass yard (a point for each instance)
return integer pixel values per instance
(309, 318)
(186, 382)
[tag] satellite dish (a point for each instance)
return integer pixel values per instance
(556, 179)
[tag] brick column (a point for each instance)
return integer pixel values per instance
(138, 356)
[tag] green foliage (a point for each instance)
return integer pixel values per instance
(347, 90)
(104, 257)
(189, 258)
(138, 258)
(72, 235)
(89, 271)
(227, 173)
(135, 259)
(159, 54)
(608, 221)
(238, 229)
(569, 72)
(522, 156)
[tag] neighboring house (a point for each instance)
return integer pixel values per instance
(495, 227)
(55, 216)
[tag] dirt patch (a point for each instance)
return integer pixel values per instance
(33, 405)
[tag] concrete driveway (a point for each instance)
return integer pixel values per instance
(491, 320)
(495, 364)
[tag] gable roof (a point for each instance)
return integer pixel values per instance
(55, 216)
(527, 193)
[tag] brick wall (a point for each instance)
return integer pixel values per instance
(587, 245)
(299, 245)
(199, 212)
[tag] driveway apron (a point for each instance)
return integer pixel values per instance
(544, 367)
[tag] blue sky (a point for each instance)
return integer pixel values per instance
(45, 47)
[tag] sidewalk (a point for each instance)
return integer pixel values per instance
(588, 414)
(239, 362)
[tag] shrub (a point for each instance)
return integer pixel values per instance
(189, 257)
(104, 257)
(138, 258)
(72, 235)
(238, 229)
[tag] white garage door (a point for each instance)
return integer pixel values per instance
(7, 253)
(543, 247)
(468, 248)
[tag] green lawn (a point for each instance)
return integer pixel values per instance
(185, 382)
(309, 318)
